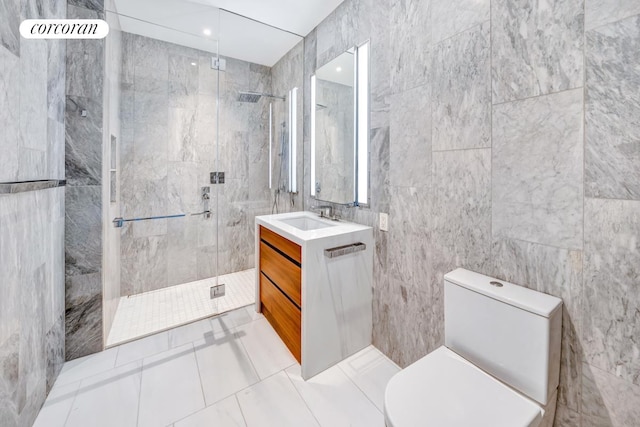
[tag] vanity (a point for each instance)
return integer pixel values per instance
(314, 281)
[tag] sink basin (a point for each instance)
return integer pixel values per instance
(305, 223)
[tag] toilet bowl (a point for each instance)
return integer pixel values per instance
(499, 366)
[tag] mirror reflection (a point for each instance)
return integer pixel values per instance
(334, 132)
(340, 129)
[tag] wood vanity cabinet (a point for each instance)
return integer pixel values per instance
(280, 287)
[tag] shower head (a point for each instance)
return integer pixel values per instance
(253, 97)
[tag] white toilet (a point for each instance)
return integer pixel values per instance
(499, 366)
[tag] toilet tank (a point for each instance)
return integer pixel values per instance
(509, 331)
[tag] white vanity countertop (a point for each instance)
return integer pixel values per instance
(275, 223)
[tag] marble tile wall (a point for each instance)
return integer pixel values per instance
(168, 149)
(32, 328)
(504, 140)
(32, 309)
(84, 205)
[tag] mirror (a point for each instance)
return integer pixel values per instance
(340, 129)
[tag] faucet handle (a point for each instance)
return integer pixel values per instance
(325, 211)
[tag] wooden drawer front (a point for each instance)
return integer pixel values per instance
(282, 272)
(283, 316)
(291, 249)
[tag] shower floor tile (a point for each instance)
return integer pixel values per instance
(151, 312)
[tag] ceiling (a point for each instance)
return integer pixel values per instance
(260, 39)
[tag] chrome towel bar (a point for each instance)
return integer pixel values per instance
(344, 250)
(119, 222)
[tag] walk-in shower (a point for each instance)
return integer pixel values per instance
(191, 164)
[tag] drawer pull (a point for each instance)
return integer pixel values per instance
(345, 250)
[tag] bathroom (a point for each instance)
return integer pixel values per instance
(494, 137)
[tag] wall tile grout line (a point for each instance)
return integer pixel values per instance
(537, 96)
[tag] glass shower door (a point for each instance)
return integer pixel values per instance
(162, 77)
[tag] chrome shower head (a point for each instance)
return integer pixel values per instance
(251, 97)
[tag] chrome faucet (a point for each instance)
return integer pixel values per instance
(325, 211)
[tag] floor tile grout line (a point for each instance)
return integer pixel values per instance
(235, 395)
(92, 375)
(73, 401)
(240, 391)
(359, 388)
(231, 330)
(140, 394)
(244, 347)
(195, 355)
(301, 396)
(146, 355)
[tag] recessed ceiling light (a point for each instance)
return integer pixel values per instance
(207, 32)
(193, 63)
(339, 69)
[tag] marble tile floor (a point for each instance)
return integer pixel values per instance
(229, 370)
(155, 311)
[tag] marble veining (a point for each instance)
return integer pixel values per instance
(612, 255)
(612, 152)
(461, 91)
(32, 307)
(461, 213)
(449, 18)
(83, 153)
(9, 114)
(537, 178)
(83, 201)
(602, 12)
(83, 56)
(399, 301)
(33, 96)
(32, 223)
(409, 234)
(608, 400)
(410, 146)
(339, 32)
(9, 25)
(537, 48)
(410, 55)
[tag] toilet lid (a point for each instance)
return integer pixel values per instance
(444, 390)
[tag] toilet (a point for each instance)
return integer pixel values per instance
(499, 366)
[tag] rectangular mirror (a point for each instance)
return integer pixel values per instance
(340, 129)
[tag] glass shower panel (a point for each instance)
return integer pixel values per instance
(263, 68)
(205, 110)
(162, 77)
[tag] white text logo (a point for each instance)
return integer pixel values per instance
(64, 29)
